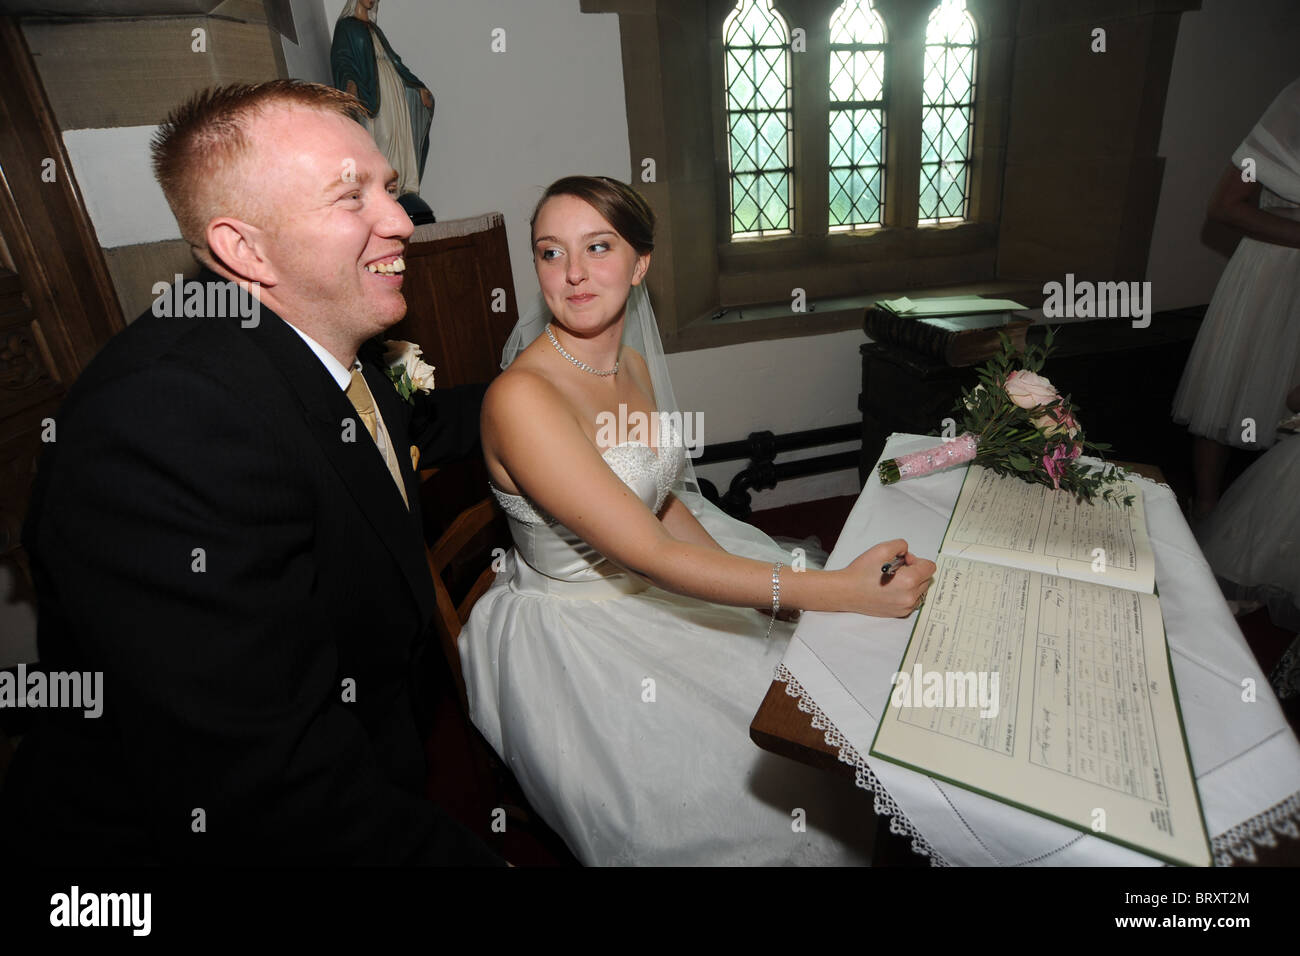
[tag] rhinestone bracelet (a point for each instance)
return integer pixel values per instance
(776, 595)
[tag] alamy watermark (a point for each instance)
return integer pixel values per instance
(1098, 300)
(648, 428)
(947, 689)
(74, 690)
(76, 908)
(206, 300)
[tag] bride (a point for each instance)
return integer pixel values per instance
(616, 662)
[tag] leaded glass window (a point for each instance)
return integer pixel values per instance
(948, 100)
(857, 117)
(759, 121)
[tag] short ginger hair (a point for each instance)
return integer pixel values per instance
(203, 140)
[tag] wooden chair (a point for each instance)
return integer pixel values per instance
(465, 552)
(451, 616)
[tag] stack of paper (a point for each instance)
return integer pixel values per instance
(947, 305)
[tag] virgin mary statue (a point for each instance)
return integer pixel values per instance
(399, 105)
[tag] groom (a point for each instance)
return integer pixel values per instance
(227, 525)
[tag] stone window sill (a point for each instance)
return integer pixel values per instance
(761, 323)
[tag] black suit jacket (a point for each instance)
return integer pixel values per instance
(254, 591)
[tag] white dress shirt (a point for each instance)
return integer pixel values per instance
(342, 375)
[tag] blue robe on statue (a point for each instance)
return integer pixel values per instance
(352, 57)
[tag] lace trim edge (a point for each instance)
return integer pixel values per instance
(1239, 842)
(1234, 844)
(883, 803)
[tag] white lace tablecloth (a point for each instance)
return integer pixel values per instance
(1244, 755)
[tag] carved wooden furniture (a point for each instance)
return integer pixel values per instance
(57, 305)
(460, 297)
(1121, 378)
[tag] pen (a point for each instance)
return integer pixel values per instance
(894, 565)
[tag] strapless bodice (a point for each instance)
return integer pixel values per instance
(554, 560)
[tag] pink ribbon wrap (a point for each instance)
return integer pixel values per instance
(915, 464)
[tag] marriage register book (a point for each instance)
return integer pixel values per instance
(1038, 673)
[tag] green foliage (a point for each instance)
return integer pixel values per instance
(401, 381)
(1010, 443)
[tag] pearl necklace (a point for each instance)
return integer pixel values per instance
(578, 362)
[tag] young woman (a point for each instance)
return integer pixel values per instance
(1252, 541)
(1247, 353)
(618, 661)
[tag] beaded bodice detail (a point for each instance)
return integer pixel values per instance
(553, 560)
(651, 475)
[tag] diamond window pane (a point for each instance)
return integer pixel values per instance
(755, 24)
(757, 57)
(954, 195)
(740, 88)
(931, 126)
(947, 110)
(744, 211)
(856, 172)
(950, 23)
(775, 187)
(869, 70)
(855, 197)
(772, 79)
(933, 83)
(773, 141)
(960, 75)
(956, 129)
(927, 206)
(742, 139)
(855, 22)
(841, 205)
(841, 138)
(841, 75)
(857, 117)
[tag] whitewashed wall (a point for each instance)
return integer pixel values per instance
(507, 124)
(1232, 58)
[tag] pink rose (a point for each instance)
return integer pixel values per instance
(1029, 390)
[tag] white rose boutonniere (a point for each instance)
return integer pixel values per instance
(409, 374)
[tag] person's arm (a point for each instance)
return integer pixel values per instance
(684, 526)
(180, 531)
(676, 517)
(1236, 204)
(550, 459)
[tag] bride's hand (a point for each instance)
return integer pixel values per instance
(882, 595)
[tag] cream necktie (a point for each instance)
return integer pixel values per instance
(364, 402)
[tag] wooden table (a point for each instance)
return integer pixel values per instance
(782, 728)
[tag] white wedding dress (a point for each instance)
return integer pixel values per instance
(1252, 538)
(624, 710)
(1246, 356)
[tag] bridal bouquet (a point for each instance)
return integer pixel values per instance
(1016, 423)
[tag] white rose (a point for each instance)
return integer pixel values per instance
(406, 355)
